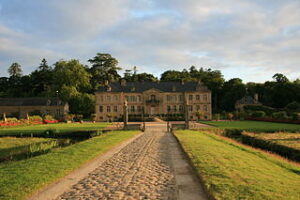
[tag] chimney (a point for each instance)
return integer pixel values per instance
(123, 82)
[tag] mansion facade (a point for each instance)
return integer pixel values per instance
(153, 99)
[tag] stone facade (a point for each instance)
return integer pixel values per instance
(155, 98)
(20, 107)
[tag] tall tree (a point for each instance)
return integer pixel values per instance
(15, 70)
(42, 79)
(104, 68)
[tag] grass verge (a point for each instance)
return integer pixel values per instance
(232, 171)
(256, 126)
(22, 178)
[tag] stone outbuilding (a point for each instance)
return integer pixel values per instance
(20, 107)
(247, 100)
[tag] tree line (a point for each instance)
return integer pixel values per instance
(76, 83)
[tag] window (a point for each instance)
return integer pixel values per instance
(108, 108)
(198, 97)
(139, 98)
(174, 108)
(153, 97)
(115, 108)
(190, 97)
(139, 108)
(127, 98)
(180, 108)
(169, 108)
(108, 98)
(168, 98)
(191, 108)
(181, 98)
(205, 107)
(132, 108)
(101, 98)
(132, 98)
(175, 98)
(116, 98)
(100, 108)
(205, 97)
(198, 107)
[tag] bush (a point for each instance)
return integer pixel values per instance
(258, 114)
(49, 117)
(293, 106)
(12, 119)
(35, 118)
(280, 115)
(266, 109)
(295, 116)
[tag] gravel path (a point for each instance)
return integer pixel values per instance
(141, 170)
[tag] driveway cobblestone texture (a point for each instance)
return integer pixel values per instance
(141, 170)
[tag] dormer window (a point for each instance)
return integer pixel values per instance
(152, 97)
(133, 89)
(173, 88)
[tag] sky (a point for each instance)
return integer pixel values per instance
(249, 39)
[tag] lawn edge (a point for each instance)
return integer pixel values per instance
(57, 187)
(194, 169)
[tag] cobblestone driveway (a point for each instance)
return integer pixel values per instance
(141, 170)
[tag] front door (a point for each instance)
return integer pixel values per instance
(152, 110)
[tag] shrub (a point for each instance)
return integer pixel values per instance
(49, 117)
(293, 106)
(266, 109)
(230, 116)
(280, 115)
(35, 118)
(12, 119)
(258, 114)
(295, 116)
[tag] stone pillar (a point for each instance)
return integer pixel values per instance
(4, 117)
(125, 113)
(186, 113)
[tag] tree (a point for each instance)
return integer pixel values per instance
(280, 78)
(15, 70)
(104, 68)
(233, 90)
(71, 73)
(42, 79)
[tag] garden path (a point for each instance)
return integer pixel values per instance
(152, 166)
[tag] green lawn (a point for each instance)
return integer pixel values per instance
(254, 125)
(62, 127)
(286, 139)
(9, 144)
(232, 171)
(21, 178)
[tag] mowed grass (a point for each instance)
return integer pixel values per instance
(7, 143)
(254, 125)
(232, 171)
(61, 127)
(21, 178)
(283, 138)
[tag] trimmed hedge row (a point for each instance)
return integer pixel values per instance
(285, 151)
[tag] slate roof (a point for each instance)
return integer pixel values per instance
(32, 101)
(247, 100)
(168, 86)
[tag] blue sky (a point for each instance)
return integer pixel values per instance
(250, 39)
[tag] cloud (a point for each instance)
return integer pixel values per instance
(242, 38)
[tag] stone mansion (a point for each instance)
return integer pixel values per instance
(153, 99)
